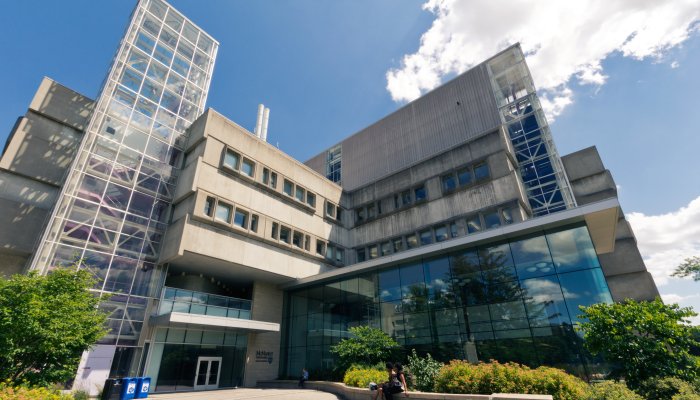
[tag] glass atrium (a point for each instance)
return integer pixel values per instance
(115, 204)
(526, 126)
(514, 300)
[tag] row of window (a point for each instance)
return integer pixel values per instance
(450, 181)
(246, 167)
(436, 234)
(239, 218)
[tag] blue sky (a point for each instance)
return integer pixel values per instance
(321, 67)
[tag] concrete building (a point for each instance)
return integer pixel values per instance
(452, 224)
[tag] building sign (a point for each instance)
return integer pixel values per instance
(263, 356)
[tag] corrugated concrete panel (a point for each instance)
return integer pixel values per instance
(422, 128)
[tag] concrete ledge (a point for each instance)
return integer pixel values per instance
(353, 393)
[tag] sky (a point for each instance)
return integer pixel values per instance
(621, 75)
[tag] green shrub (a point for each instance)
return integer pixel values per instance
(425, 370)
(461, 377)
(81, 395)
(610, 390)
(686, 394)
(362, 377)
(664, 388)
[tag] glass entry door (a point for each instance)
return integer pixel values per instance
(207, 377)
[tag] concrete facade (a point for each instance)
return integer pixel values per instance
(624, 268)
(240, 225)
(34, 161)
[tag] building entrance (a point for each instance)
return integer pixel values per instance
(207, 376)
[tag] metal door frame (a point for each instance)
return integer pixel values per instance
(206, 385)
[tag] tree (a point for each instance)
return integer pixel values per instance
(368, 346)
(691, 266)
(46, 322)
(642, 339)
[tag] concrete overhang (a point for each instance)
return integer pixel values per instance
(212, 323)
(600, 217)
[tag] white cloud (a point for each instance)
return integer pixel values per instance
(668, 239)
(674, 64)
(561, 40)
(675, 298)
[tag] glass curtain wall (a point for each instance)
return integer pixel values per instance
(514, 300)
(115, 203)
(175, 352)
(333, 164)
(525, 124)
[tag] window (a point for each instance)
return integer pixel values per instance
(311, 200)
(239, 219)
(208, 205)
(296, 239)
(492, 220)
(266, 175)
(370, 211)
(361, 256)
(464, 176)
(329, 209)
(254, 223)
(507, 216)
(223, 212)
(448, 182)
(406, 197)
(420, 193)
(481, 171)
(425, 238)
(231, 159)
(360, 212)
(319, 247)
(284, 235)
(386, 249)
(274, 230)
(474, 225)
(379, 208)
(329, 252)
(299, 194)
(339, 214)
(247, 167)
(411, 241)
(288, 188)
(453, 230)
(373, 252)
(398, 245)
(307, 243)
(396, 201)
(339, 255)
(440, 233)
(273, 180)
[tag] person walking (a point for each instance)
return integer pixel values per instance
(304, 378)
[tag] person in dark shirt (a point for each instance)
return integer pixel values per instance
(385, 386)
(399, 380)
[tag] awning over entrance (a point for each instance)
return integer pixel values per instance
(210, 322)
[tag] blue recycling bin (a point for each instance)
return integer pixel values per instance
(128, 388)
(143, 386)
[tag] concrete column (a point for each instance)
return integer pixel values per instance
(267, 307)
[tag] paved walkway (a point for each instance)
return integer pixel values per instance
(275, 394)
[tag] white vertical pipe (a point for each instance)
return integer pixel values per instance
(258, 123)
(266, 117)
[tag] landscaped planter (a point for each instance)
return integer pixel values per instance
(353, 393)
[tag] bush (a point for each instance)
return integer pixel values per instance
(362, 377)
(24, 391)
(686, 394)
(366, 345)
(610, 390)
(461, 377)
(425, 370)
(81, 395)
(664, 388)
